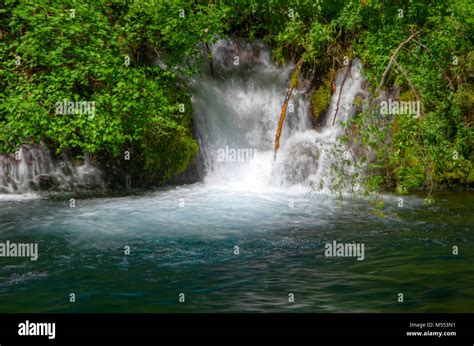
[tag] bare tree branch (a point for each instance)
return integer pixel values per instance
(384, 75)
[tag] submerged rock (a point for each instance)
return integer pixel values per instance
(301, 162)
(191, 174)
(45, 181)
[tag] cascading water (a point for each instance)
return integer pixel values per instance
(33, 167)
(341, 109)
(236, 116)
(235, 113)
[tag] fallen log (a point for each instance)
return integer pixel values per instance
(293, 84)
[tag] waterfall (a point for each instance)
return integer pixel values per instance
(33, 168)
(333, 153)
(237, 104)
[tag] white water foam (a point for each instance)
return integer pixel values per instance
(239, 108)
(34, 168)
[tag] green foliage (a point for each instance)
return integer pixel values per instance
(406, 157)
(82, 58)
(410, 153)
(99, 52)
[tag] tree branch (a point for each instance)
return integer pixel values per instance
(392, 58)
(412, 86)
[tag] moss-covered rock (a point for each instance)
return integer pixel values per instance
(321, 96)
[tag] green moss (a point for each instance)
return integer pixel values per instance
(379, 203)
(401, 190)
(470, 178)
(358, 101)
(321, 97)
(429, 200)
(296, 73)
(407, 96)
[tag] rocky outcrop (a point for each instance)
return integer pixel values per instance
(34, 168)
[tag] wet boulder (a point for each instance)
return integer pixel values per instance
(301, 161)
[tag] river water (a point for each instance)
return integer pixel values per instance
(182, 240)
